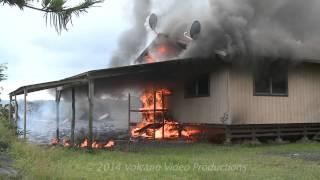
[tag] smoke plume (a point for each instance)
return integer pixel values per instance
(275, 28)
(237, 28)
(133, 41)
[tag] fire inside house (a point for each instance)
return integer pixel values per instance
(154, 108)
(155, 123)
(165, 97)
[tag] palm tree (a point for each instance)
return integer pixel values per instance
(56, 11)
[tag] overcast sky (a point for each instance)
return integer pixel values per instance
(35, 53)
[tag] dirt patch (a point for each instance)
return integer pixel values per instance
(5, 166)
(307, 156)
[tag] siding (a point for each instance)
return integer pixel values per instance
(301, 106)
(204, 109)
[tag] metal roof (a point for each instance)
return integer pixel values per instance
(82, 79)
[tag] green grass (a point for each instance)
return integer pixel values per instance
(197, 161)
(36, 162)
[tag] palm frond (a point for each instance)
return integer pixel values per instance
(56, 12)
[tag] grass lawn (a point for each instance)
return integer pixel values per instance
(196, 161)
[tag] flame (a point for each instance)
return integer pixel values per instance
(154, 123)
(54, 141)
(110, 144)
(96, 145)
(190, 133)
(154, 55)
(162, 50)
(84, 144)
(66, 143)
(149, 59)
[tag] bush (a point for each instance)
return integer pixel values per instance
(7, 133)
(4, 112)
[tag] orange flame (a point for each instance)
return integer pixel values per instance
(162, 50)
(84, 144)
(96, 145)
(110, 144)
(66, 143)
(154, 123)
(159, 52)
(54, 141)
(149, 59)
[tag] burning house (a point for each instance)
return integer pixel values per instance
(196, 98)
(234, 87)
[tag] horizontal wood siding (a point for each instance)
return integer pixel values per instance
(301, 106)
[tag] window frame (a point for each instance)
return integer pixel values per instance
(271, 94)
(196, 81)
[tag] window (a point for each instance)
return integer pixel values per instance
(199, 87)
(271, 80)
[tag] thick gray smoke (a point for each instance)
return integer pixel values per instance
(133, 40)
(276, 28)
(237, 28)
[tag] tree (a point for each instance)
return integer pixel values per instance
(3, 76)
(56, 11)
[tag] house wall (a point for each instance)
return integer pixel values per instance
(208, 110)
(301, 106)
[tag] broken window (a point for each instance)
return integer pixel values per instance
(271, 79)
(199, 87)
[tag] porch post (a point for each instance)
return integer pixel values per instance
(91, 104)
(279, 139)
(10, 109)
(73, 118)
(163, 114)
(16, 110)
(154, 113)
(25, 114)
(129, 117)
(58, 95)
(227, 134)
